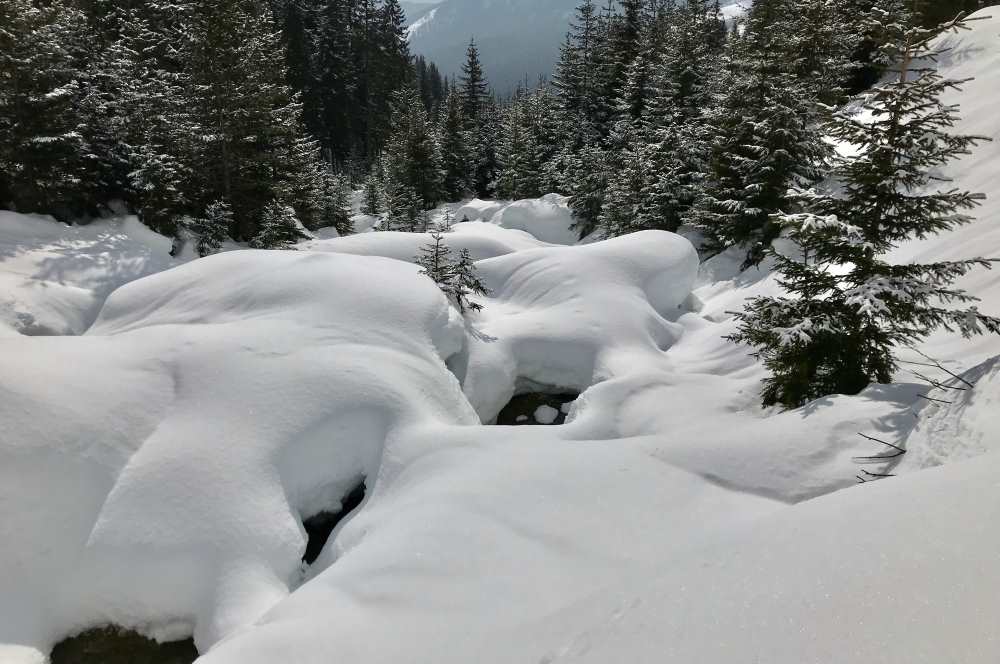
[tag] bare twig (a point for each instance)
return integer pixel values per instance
(924, 396)
(877, 474)
(936, 364)
(876, 440)
(937, 384)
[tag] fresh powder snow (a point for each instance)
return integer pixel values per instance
(168, 424)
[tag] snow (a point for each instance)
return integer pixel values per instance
(548, 218)
(155, 470)
(140, 500)
(546, 414)
(478, 210)
(54, 278)
(420, 23)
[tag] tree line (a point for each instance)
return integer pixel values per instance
(229, 118)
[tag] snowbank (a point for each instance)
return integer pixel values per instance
(155, 471)
(547, 218)
(548, 321)
(481, 239)
(54, 278)
(478, 210)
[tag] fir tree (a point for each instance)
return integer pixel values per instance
(413, 156)
(212, 229)
(337, 205)
(279, 228)
(373, 195)
(466, 282)
(481, 120)
(41, 152)
(848, 307)
(455, 157)
(456, 278)
(405, 209)
(435, 261)
(766, 139)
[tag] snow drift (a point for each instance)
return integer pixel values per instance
(155, 471)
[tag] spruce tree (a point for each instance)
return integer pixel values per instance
(211, 229)
(455, 155)
(252, 147)
(456, 278)
(466, 282)
(337, 206)
(481, 119)
(279, 228)
(766, 139)
(849, 309)
(413, 154)
(404, 209)
(373, 195)
(42, 147)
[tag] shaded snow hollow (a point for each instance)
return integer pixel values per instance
(155, 471)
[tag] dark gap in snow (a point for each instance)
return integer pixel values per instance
(114, 645)
(536, 408)
(319, 526)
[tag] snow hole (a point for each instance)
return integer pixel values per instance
(536, 408)
(319, 526)
(113, 645)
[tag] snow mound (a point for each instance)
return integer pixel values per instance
(478, 210)
(547, 218)
(900, 571)
(548, 323)
(54, 278)
(154, 472)
(481, 239)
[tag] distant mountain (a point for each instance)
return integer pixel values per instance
(517, 39)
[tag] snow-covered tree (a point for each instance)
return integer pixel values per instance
(466, 282)
(337, 206)
(42, 167)
(457, 278)
(413, 156)
(404, 209)
(766, 139)
(455, 156)
(849, 308)
(211, 229)
(373, 195)
(279, 228)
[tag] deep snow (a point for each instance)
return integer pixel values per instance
(154, 472)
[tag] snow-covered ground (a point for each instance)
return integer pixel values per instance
(156, 468)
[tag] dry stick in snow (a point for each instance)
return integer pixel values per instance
(899, 451)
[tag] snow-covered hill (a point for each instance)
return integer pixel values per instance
(155, 471)
(536, 27)
(518, 39)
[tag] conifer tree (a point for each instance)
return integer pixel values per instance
(373, 195)
(404, 209)
(766, 139)
(337, 206)
(211, 229)
(481, 119)
(252, 148)
(465, 282)
(456, 278)
(279, 228)
(435, 261)
(455, 156)
(848, 307)
(413, 155)
(41, 149)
